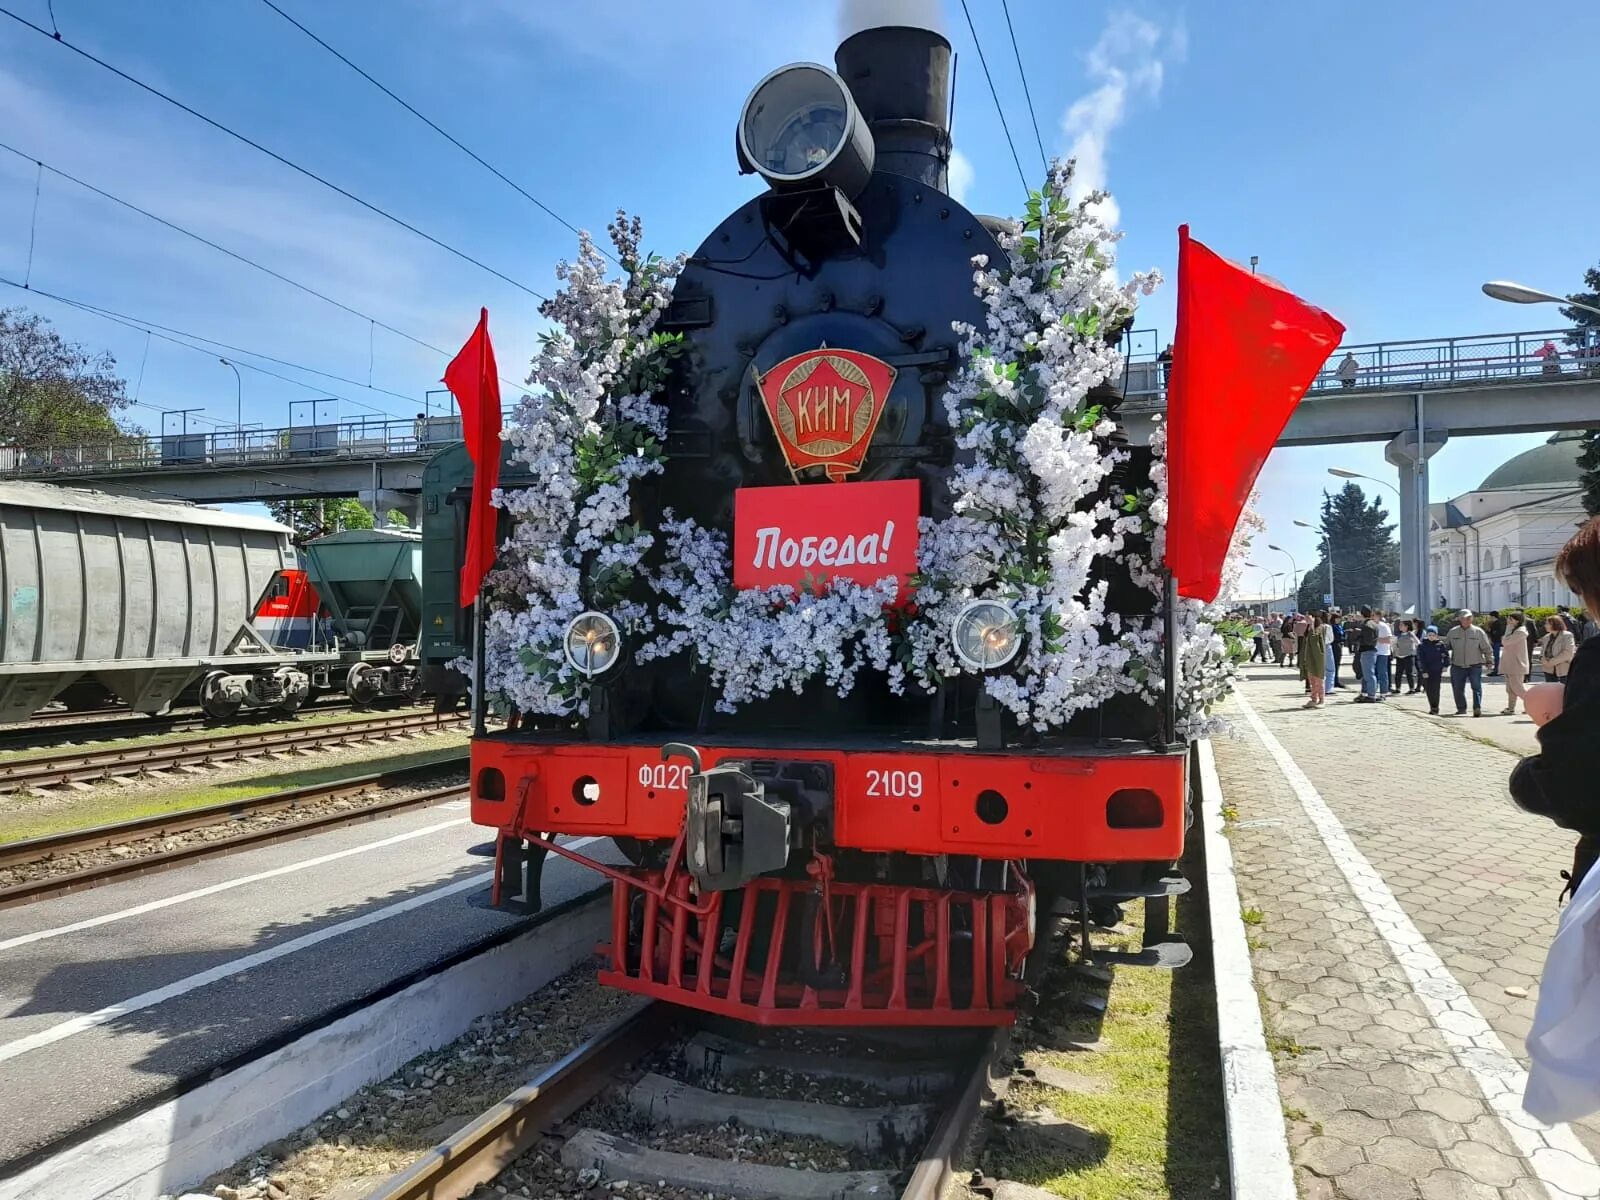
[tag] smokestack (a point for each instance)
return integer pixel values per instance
(900, 77)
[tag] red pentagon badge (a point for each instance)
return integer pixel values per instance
(824, 405)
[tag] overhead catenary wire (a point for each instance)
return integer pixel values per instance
(230, 253)
(168, 333)
(433, 125)
(218, 247)
(273, 154)
(984, 63)
(1044, 159)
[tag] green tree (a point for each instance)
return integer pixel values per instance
(313, 518)
(54, 392)
(1589, 340)
(1365, 556)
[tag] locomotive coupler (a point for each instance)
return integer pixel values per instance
(743, 820)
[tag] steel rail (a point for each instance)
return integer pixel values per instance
(105, 764)
(43, 730)
(149, 827)
(478, 1152)
(941, 1156)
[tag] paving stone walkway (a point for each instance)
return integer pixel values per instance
(1405, 908)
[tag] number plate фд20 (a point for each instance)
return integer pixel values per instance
(818, 532)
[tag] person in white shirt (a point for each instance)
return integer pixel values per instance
(1258, 635)
(1385, 649)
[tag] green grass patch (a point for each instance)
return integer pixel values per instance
(1230, 814)
(1253, 916)
(30, 817)
(1155, 1127)
(1286, 1046)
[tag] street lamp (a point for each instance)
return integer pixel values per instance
(238, 405)
(1517, 293)
(1294, 579)
(1342, 473)
(1327, 551)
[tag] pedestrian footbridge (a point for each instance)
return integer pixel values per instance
(1485, 384)
(1412, 394)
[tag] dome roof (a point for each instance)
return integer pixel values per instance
(1552, 465)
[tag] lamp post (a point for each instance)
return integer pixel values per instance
(1342, 473)
(1327, 552)
(238, 405)
(1294, 578)
(1517, 293)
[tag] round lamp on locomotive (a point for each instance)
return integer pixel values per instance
(593, 644)
(802, 132)
(800, 127)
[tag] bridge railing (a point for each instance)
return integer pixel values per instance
(1546, 354)
(360, 439)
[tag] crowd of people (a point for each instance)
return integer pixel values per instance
(1392, 655)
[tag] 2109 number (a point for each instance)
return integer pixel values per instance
(894, 783)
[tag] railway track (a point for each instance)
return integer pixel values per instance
(913, 1120)
(56, 729)
(89, 854)
(94, 765)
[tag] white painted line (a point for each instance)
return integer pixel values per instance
(1258, 1141)
(169, 1149)
(172, 991)
(1558, 1160)
(200, 893)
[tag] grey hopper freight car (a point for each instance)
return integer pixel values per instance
(141, 597)
(369, 581)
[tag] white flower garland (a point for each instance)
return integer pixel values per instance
(1030, 516)
(590, 427)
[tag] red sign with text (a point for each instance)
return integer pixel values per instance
(859, 531)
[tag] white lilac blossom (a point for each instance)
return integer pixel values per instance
(760, 641)
(1031, 514)
(589, 427)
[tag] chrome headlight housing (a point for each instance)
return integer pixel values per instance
(986, 634)
(593, 643)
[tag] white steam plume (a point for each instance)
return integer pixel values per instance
(1128, 61)
(856, 15)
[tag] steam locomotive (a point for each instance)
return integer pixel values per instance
(816, 859)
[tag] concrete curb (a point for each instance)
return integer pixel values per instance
(169, 1148)
(1258, 1140)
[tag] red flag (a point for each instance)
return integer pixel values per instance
(475, 382)
(1246, 352)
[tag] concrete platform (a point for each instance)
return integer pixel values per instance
(115, 999)
(1406, 908)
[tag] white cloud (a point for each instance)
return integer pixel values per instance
(1126, 63)
(961, 176)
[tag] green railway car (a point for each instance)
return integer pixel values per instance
(446, 625)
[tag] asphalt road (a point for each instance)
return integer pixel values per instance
(110, 998)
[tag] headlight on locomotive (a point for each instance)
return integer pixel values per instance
(593, 643)
(801, 126)
(986, 634)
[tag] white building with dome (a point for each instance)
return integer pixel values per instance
(1495, 546)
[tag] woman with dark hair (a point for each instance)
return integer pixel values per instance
(1557, 650)
(1559, 781)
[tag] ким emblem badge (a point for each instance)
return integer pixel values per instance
(824, 405)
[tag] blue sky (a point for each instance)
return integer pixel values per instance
(1381, 159)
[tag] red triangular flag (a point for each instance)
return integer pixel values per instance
(475, 382)
(1246, 351)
